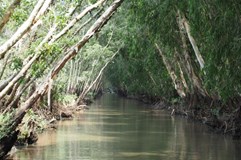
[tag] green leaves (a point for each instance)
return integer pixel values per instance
(215, 27)
(16, 63)
(21, 13)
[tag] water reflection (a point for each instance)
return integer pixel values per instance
(121, 129)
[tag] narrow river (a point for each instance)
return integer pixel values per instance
(122, 129)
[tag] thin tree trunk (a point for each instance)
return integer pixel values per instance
(29, 61)
(9, 13)
(69, 55)
(73, 85)
(17, 77)
(77, 75)
(97, 84)
(7, 140)
(75, 8)
(4, 65)
(70, 76)
(83, 94)
(43, 9)
(177, 84)
(194, 79)
(22, 30)
(76, 19)
(12, 95)
(86, 83)
(33, 59)
(49, 94)
(194, 44)
(88, 21)
(14, 103)
(5, 83)
(151, 77)
(184, 82)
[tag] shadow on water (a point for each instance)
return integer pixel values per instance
(120, 129)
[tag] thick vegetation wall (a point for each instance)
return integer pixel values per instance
(182, 49)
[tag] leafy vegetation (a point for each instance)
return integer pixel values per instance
(172, 50)
(216, 29)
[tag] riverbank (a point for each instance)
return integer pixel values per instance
(121, 128)
(202, 114)
(216, 115)
(40, 119)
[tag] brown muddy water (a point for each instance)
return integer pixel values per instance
(121, 129)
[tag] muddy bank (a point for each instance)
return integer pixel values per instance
(216, 115)
(40, 119)
(221, 117)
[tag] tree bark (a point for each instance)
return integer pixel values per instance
(70, 76)
(43, 9)
(4, 65)
(50, 33)
(37, 55)
(12, 95)
(17, 77)
(49, 94)
(16, 99)
(29, 61)
(184, 82)
(177, 84)
(10, 128)
(194, 79)
(83, 94)
(76, 19)
(86, 22)
(22, 30)
(194, 44)
(5, 83)
(70, 54)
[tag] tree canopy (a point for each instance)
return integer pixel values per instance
(167, 49)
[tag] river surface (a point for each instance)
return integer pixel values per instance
(123, 129)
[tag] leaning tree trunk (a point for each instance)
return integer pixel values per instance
(76, 19)
(5, 83)
(195, 81)
(70, 77)
(177, 83)
(22, 30)
(9, 131)
(17, 77)
(184, 82)
(32, 58)
(194, 44)
(49, 95)
(85, 91)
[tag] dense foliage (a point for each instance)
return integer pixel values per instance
(156, 49)
(37, 40)
(215, 26)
